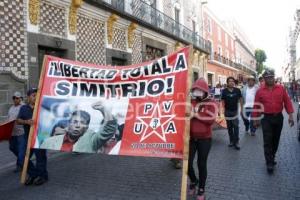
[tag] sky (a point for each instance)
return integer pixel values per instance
(265, 22)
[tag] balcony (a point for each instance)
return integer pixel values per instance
(224, 60)
(144, 14)
(240, 66)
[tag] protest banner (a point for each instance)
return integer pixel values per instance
(6, 129)
(137, 110)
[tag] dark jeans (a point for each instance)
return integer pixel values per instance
(271, 127)
(233, 130)
(248, 122)
(17, 145)
(202, 147)
(40, 168)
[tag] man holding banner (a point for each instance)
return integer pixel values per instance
(37, 174)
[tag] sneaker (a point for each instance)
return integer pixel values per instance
(177, 165)
(29, 180)
(18, 169)
(200, 195)
(252, 134)
(237, 147)
(230, 144)
(270, 168)
(39, 180)
(192, 188)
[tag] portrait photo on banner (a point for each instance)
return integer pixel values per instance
(80, 124)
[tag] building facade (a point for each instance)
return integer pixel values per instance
(231, 53)
(294, 48)
(244, 51)
(105, 32)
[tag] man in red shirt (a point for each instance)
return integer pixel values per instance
(269, 101)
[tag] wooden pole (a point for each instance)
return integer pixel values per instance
(186, 138)
(37, 100)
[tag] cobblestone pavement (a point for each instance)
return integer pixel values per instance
(232, 175)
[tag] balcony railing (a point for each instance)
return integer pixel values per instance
(217, 57)
(224, 60)
(144, 13)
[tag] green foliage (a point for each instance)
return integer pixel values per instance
(260, 57)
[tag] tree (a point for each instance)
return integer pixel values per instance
(260, 57)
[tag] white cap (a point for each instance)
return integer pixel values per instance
(17, 94)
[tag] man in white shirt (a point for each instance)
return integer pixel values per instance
(17, 143)
(248, 94)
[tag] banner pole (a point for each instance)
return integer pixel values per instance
(29, 141)
(186, 137)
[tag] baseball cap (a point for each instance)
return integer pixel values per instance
(250, 77)
(268, 73)
(31, 91)
(17, 94)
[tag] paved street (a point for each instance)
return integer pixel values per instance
(232, 174)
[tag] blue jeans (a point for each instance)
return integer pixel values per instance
(248, 122)
(40, 168)
(17, 145)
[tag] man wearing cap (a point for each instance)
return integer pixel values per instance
(269, 101)
(37, 174)
(17, 143)
(248, 94)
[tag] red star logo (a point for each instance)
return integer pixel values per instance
(155, 124)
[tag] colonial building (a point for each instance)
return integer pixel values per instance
(294, 48)
(106, 32)
(244, 51)
(231, 52)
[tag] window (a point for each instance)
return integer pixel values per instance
(152, 3)
(211, 50)
(152, 53)
(220, 50)
(219, 34)
(226, 40)
(227, 54)
(209, 25)
(194, 26)
(177, 13)
(195, 76)
(232, 44)
(227, 57)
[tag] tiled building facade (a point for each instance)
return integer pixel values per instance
(108, 32)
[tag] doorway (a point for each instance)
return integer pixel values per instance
(42, 51)
(210, 78)
(118, 61)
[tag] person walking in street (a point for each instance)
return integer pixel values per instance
(37, 174)
(218, 90)
(270, 100)
(231, 97)
(261, 81)
(204, 112)
(248, 94)
(17, 143)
